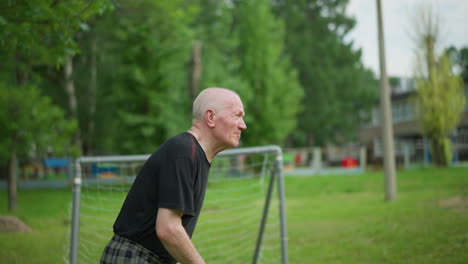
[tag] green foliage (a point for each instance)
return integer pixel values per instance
(35, 34)
(440, 93)
(131, 66)
(273, 101)
(31, 123)
(150, 89)
(140, 53)
(39, 32)
(459, 57)
(440, 98)
(247, 56)
(394, 81)
(220, 63)
(338, 91)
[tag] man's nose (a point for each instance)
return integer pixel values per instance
(242, 125)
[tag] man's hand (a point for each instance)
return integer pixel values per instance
(175, 239)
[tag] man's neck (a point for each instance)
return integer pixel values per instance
(205, 141)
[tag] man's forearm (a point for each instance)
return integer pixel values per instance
(175, 239)
(181, 248)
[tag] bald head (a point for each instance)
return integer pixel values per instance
(212, 98)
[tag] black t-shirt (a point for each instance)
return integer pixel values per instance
(175, 177)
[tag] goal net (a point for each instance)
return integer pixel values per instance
(242, 219)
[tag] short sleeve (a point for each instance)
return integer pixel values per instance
(176, 186)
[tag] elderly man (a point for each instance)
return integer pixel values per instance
(159, 215)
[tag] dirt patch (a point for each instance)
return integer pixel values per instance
(457, 203)
(12, 224)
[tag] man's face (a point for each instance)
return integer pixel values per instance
(230, 123)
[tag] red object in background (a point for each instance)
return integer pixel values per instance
(298, 159)
(349, 162)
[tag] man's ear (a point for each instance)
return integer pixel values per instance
(210, 117)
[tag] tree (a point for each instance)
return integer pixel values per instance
(40, 32)
(30, 122)
(440, 94)
(90, 82)
(459, 57)
(338, 91)
(132, 76)
(221, 64)
(273, 102)
(34, 33)
(149, 89)
(441, 100)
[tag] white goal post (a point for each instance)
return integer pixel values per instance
(249, 194)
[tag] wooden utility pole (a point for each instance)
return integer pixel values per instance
(387, 127)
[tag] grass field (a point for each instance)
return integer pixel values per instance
(331, 219)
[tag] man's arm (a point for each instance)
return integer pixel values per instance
(175, 239)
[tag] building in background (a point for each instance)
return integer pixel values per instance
(410, 145)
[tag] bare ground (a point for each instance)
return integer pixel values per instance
(12, 224)
(457, 203)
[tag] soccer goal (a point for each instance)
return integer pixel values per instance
(242, 220)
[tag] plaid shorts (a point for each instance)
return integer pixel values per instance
(120, 250)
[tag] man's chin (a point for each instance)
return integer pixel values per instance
(234, 144)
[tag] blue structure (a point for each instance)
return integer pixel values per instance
(104, 168)
(56, 163)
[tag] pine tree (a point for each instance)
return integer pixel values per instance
(272, 104)
(338, 90)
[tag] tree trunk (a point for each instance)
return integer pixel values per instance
(12, 183)
(440, 151)
(88, 148)
(22, 75)
(196, 69)
(72, 102)
(430, 55)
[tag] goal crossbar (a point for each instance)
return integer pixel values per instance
(276, 175)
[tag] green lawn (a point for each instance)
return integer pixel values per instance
(331, 219)
(47, 213)
(344, 219)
